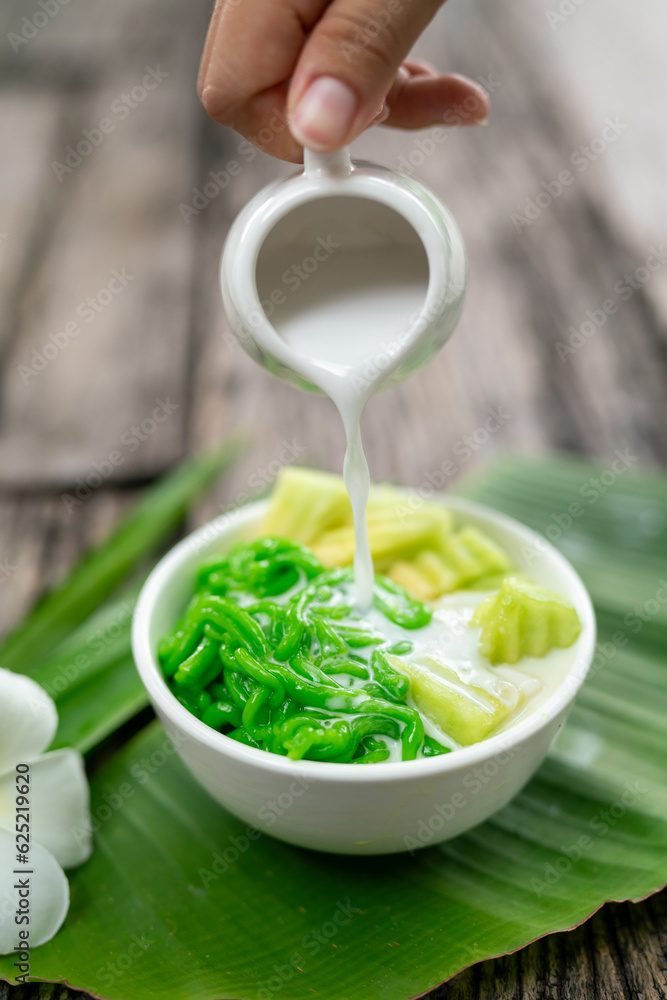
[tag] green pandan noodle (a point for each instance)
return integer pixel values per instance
(272, 653)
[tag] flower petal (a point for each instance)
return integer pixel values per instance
(28, 719)
(59, 805)
(48, 894)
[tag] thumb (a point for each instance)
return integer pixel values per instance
(348, 65)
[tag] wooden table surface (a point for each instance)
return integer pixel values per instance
(86, 360)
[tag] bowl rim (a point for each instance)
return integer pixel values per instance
(463, 758)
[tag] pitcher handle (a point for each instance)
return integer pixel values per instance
(336, 164)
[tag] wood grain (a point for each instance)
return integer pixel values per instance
(165, 336)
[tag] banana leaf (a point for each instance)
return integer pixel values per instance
(183, 902)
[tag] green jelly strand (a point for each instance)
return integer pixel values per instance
(222, 713)
(337, 699)
(327, 637)
(272, 612)
(395, 684)
(373, 751)
(252, 710)
(344, 664)
(432, 748)
(214, 576)
(301, 735)
(238, 687)
(251, 666)
(271, 566)
(367, 726)
(297, 623)
(196, 669)
(225, 614)
(412, 735)
(358, 638)
(173, 650)
(196, 703)
(396, 604)
(401, 648)
(241, 736)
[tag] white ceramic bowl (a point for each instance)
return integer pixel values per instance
(378, 808)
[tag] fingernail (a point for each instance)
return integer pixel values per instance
(324, 114)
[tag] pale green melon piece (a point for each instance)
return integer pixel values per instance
(524, 619)
(488, 581)
(468, 714)
(305, 503)
(411, 576)
(390, 538)
(458, 559)
(471, 554)
(442, 575)
(490, 558)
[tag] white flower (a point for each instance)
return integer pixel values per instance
(58, 810)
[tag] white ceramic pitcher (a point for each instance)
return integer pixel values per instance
(342, 235)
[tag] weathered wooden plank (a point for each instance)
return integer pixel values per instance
(40, 991)
(100, 333)
(641, 936)
(28, 124)
(604, 61)
(62, 29)
(72, 39)
(560, 265)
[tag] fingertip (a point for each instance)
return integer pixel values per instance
(382, 115)
(324, 114)
(214, 102)
(421, 102)
(475, 101)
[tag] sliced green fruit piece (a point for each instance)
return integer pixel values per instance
(524, 619)
(487, 555)
(469, 554)
(457, 559)
(489, 581)
(388, 501)
(415, 580)
(468, 714)
(390, 539)
(443, 576)
(304, 503)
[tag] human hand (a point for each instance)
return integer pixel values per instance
(328, 67)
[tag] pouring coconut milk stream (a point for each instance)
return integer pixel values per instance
(344, 279)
